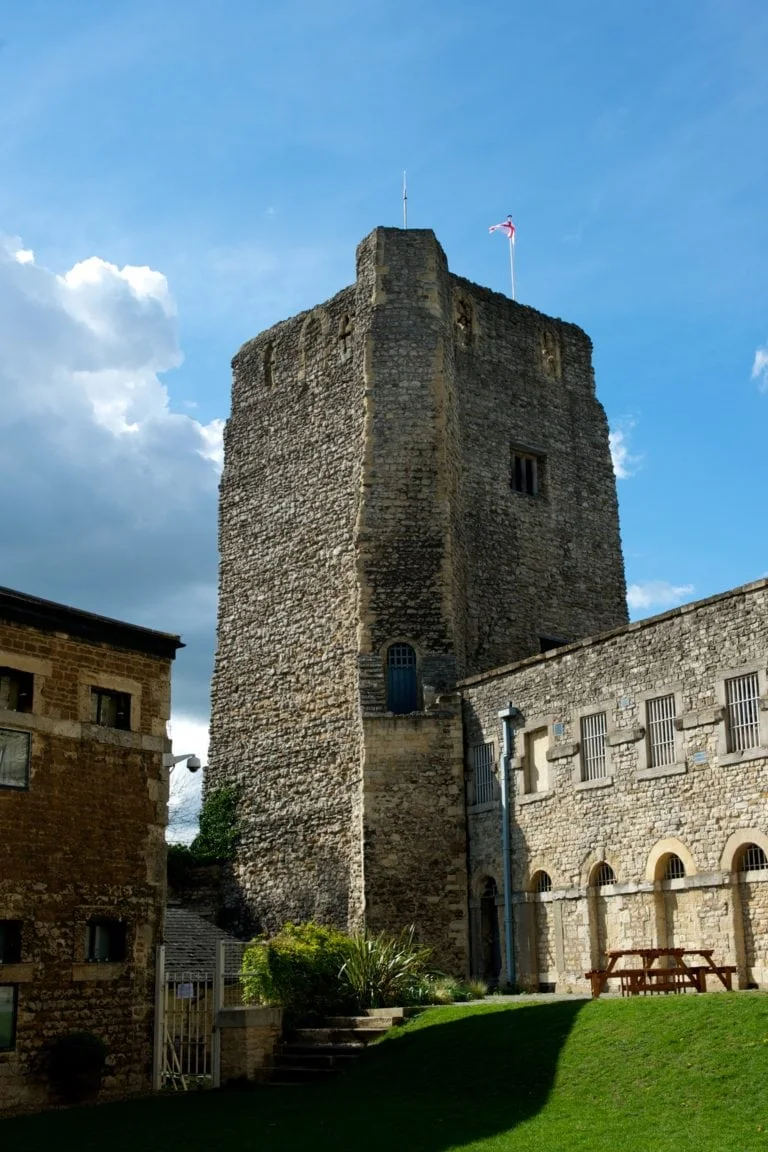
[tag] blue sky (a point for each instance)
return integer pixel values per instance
(186, 173)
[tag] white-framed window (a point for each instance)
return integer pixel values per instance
(742, 712)
(660, 712)
(483, 777)
(594, 760)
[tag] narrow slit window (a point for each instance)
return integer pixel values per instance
(8, 1006)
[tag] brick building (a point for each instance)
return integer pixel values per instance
(84, 702)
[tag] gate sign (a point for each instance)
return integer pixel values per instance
(185, 991)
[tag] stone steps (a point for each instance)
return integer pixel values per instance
(316, 1054)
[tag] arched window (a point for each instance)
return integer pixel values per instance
(752, 858)
(402, 683)
(603, 874)
(541, 882)
(674, 869)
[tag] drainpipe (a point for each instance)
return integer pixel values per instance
(507, 715)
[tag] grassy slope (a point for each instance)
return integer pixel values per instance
(675, 1074)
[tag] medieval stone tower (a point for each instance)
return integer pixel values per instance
(417, 487)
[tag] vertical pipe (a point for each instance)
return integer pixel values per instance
(506, 716)
(158, 1050)
(218, 1004)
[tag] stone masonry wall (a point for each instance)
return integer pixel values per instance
(86, 839)
(544, 565)
(366, 500)
(704, 807)
(285, 727)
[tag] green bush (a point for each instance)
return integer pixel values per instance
(219, 832)
(76, 1066)
(299, 970)
(382, 971)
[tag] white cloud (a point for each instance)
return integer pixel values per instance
(625, 462)
(110, 494)
(188, 735)
(760, 368)
(658, 594)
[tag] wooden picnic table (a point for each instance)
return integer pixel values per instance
(675, 976)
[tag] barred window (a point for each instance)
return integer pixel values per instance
(752, 859)
(593, 729)
(674, 869)
(603, 874)
(742, 702)
(482, 768)
(542, 882)
(660, 719)
(525, 473)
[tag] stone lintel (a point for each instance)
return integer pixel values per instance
(561, 751)
(701, 716)
(625, 735)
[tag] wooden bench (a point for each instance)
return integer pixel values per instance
(650, 980)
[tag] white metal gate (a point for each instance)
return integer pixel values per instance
(187, 1005)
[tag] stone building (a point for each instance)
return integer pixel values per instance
(417, 488)
(84, 702)
(638, 802)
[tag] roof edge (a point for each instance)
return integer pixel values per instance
(624, 629)
(49, 616)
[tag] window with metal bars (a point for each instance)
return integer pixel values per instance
(660, 723)
(593, 760)
(603, 874)
(752, 859)
(674, 869)
(742, 704)
(525, 473)
(542, 882)
(482, 768)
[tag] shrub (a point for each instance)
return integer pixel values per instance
(219, 833)
(477, 989)
(381, 971)
(76, 1065)
(299, 970)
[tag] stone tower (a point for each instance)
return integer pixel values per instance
(417, 487)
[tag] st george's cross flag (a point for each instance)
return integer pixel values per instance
(507, 228)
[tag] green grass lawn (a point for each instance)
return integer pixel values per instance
(674, 1074)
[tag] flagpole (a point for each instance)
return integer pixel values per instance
(405, 202)
(512, 264)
